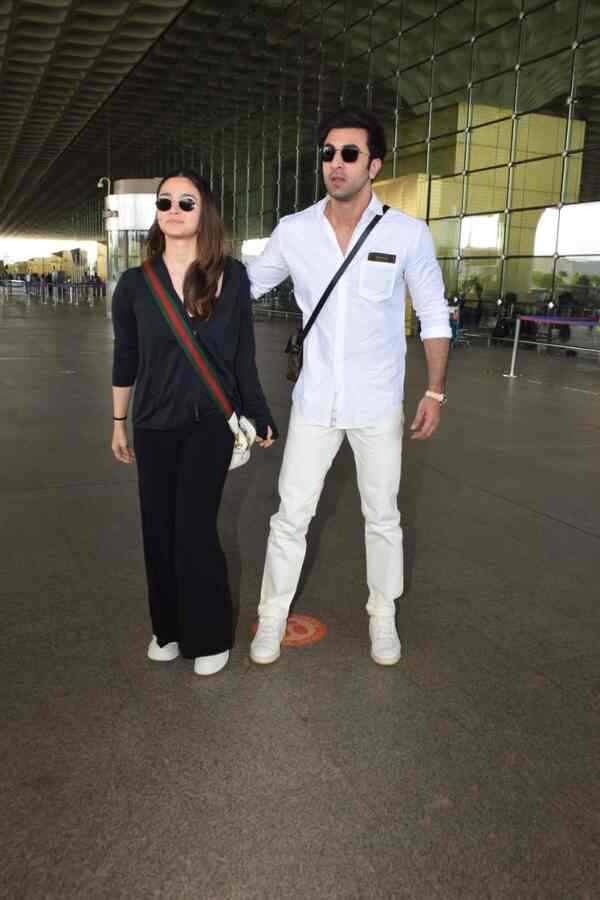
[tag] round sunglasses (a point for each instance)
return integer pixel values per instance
(186, 204)
(349, 153)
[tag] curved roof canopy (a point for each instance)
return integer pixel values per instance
(125, 88)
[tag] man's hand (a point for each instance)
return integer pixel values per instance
(426, 420)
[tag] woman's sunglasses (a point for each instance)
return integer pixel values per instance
(350, 153)
(186, 204)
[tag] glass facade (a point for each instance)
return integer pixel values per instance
(491, 110)
(492, 113)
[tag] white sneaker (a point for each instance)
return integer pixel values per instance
(266, 646)
(386, 649)
(210, 665)
(162, 654)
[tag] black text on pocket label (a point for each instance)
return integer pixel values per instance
(382, 257)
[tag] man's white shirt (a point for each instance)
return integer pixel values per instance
(354, 355)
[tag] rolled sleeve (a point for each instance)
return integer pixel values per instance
(426, 286)
(270, 268)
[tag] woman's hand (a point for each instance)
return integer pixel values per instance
(265, 442)
(120, 445)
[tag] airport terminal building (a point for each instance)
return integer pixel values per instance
(467, 768)
(491, 110)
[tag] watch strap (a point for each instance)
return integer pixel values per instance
(441, 398)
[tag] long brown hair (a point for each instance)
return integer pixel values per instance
(201, 281)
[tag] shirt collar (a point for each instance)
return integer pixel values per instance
(375, 206)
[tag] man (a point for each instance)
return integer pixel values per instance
(352, 378)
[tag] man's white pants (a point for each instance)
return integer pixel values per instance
(308, 455)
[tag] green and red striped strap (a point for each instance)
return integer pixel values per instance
(177, 318)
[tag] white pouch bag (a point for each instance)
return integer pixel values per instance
(245, 435)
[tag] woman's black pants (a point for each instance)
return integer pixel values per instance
(181, 477)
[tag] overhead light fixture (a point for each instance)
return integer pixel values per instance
(108, 213)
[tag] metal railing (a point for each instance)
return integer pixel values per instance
(69, 292)
(277, 304)
(269, 312)
(550, 321)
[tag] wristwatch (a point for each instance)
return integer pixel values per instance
(441, 398)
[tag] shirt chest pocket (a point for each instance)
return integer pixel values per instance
(376, 280)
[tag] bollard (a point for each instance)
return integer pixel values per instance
(513, 361)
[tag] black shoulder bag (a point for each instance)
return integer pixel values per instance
(294, 344)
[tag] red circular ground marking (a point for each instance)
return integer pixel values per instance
(301, 631)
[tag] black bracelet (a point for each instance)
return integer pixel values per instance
(119, 418)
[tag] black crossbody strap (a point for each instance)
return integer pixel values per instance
(301, 336)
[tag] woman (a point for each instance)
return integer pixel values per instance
(182, 441)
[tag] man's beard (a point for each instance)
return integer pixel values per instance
(344, 191)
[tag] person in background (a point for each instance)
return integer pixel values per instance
(454, 313)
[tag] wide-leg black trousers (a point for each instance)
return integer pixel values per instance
(181, 477)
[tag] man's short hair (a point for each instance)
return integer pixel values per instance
(353, 117)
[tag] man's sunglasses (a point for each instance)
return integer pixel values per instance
(350, 152)
(186, 204)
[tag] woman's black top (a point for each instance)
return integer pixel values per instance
(168, 391)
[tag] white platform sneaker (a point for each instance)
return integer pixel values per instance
(162, 654)
(266, 646)
(386, 649)
(210, 665)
